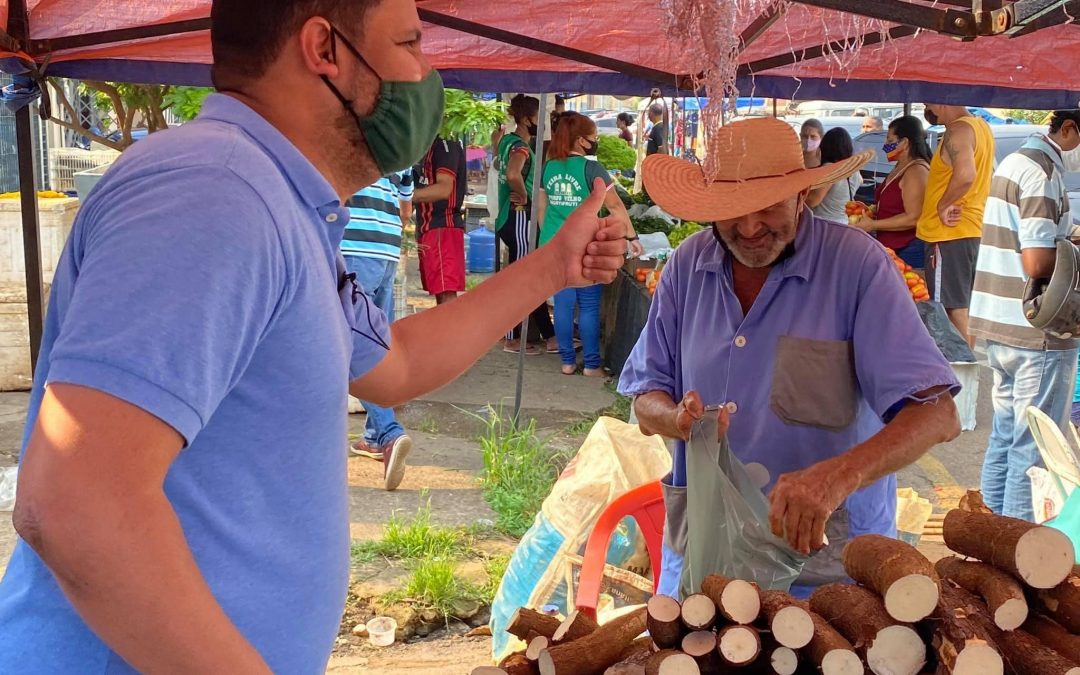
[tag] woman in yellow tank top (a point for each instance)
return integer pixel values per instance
(951, 221)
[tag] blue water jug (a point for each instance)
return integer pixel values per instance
(481, 251)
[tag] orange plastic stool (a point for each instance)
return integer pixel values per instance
(646, 505)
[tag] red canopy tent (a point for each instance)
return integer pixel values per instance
(978, 52)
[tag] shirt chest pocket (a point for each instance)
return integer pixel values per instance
(814, 383)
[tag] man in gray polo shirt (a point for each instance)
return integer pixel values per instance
(183, 503)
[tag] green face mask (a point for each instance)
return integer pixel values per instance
(406, 119)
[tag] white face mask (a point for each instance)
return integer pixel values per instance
(1071, 160)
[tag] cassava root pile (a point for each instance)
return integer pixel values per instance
(1014, 609)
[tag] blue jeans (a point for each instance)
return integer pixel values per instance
(587, 300)
(1022, 378)
(376, 278)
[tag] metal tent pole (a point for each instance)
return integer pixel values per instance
(538, 184)
(35, 296)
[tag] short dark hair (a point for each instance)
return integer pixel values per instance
(523, 107)
(246, 36)
(1061, 116)
(626, 118)
(912, 129)
(836, 146)
(656, 109)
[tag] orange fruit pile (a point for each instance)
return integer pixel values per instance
(915, 283)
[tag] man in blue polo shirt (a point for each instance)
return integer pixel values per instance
(804, 334)
(372, 249)
(183, 502)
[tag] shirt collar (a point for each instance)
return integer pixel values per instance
(311, 185)
(795, 261)
(1047, 145)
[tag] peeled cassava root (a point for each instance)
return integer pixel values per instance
(887, 646)
(788, 620)
(1004, 596)
(738, 601)
(1040, 556)
(897, 572)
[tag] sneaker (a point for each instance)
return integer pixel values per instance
(394, 454)
(355, 406)
(364, 449)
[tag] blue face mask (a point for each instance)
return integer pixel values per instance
(889, 148)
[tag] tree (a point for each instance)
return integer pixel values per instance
(122, 106)
(469, 119)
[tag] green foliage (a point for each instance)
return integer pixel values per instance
(474, 280)
(680, 233)
(619, 410)
(615, 155)
(1029, 116)
(650, 225)
(470, 120)
(187, 102)
(519, 472)
(495, 568)
(414, 539)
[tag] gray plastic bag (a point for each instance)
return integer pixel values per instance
(727, 520)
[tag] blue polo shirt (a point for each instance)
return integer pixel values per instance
(831, 349)
(201, 284)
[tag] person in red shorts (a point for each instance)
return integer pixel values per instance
(440, 225)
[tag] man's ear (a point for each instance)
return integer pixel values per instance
(317, 47)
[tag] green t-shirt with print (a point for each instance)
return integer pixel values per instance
(567, 183)
(509, 144)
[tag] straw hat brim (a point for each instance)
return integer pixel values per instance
(679, 187)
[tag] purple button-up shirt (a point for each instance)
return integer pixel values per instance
(831, 349)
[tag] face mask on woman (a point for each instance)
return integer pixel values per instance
(892, 151)
(811, 144)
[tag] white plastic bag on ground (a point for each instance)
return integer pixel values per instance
(615, 458)
(8, 478)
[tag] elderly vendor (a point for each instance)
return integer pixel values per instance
(804, 334)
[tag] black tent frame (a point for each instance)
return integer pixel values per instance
(965, 20)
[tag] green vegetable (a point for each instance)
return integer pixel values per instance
(680, 233)
(648, 225)
(615, 155)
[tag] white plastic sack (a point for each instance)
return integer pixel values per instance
(968, 399)
(1046, 499)
(615, 458)
(8, 478)
(493, 190)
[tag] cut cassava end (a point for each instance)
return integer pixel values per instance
(1054, 636)
(830, 651)
(664, 622)
(860, 616)
(739, 645)
(738, 601)
(1041, 557)
(597, 651)
(789, 622)
(518, 664)
(701, 646)
(962, 640)
(1062, 602)
(698, 612)
(1001, 591)
(784, 661)
(527, 620)
(577, 625)
(536, 645)
(897, 572)
(671, 662)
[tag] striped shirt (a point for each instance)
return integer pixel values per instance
(1028, 208)
(374, 229)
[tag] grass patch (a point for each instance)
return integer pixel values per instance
(473, 280)
(414, 539)
(429, 426)
(495, 568)
(519, 472)
(620, 410)
(433, 584)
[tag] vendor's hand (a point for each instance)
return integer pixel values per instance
(950, 214)
(690, 409)
(866, 223)
(592, 249)
(636, 249)
(802, 502)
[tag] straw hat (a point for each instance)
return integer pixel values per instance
(759, 162)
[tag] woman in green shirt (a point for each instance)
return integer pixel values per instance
(514, 161)
(568, 179)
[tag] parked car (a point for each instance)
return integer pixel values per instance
(606, 126)
(1007, 139)
(853, 125)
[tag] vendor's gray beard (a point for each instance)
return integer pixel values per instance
(758, 261)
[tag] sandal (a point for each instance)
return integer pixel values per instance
(530, 350)
(594, 372)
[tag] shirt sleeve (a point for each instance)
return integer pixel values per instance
(652, 363)
(371, 335)
(172, 295)
(405, 187)
(1039, 211)
(594, 170)
(895, 357)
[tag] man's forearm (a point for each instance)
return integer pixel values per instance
(958, 186)
(476, 321)
(918, 427)
(123, 563)
(656, 414)
(430, 194)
